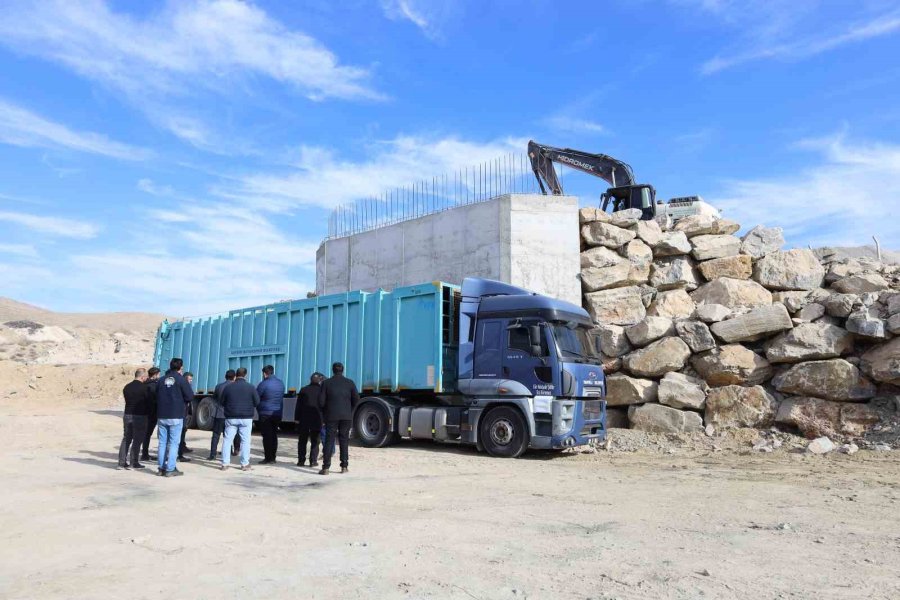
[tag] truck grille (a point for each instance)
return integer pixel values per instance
(592, 410)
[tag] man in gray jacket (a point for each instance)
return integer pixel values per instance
(219, 417)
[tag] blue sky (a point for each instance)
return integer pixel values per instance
(183, 157)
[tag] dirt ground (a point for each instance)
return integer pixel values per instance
(420, 520)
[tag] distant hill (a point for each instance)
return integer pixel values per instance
(13, 310)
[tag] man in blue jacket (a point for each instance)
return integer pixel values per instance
(172, 395)
(271, 402)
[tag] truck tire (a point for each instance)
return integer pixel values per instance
(503, 432)
(372, 425)
(205, 414)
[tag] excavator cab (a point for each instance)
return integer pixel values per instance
(641, 196)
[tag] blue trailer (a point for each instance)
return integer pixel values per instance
(488, 364)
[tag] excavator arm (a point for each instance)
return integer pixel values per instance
(614, 171)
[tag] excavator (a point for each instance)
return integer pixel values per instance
(623, 194)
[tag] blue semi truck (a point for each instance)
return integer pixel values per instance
(488, 363)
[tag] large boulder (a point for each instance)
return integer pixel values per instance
(694, 225)
(810, 341)
(739, 406)
(893, 324)
(834, 379)
(882, 363)
(672, 273)
(622, 390)
(860, 284)
(625, 218)
(794, 300)
(706, 247)
(840, 305)
(674, 304)
(604, 278)
(672, 243)
(696, 335)
(811, 312)
(815, 417)
(682, 391)
(663, 419)
(600, 257)
(649, 330)
(638, 253)
(712, 313)
(592, 215)
(618, 306)
(732, 293)
(739, 266)
(797, 269)
(867, 323)
(604, 234)
(649, 232)
(760, 241)
(732, 365)
(612, 338)
(657, 359)
(756, 324)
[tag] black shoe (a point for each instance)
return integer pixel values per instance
(160, 472)
(324, 471)
(138, 466)
(211, 457)
(300, 463)
(123, 467)
(183, 459)
(175, 473)
(345, 470)
(145, 457)
(314, 464)
(265, 461)
(187, 450)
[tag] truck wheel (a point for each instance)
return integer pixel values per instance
(503, 432)
(372, 425)
(205, 414)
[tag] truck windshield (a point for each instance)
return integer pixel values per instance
(573, 340)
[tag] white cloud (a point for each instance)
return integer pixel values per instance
(428, 15)
(69, 228)
(322, 179)
(569, 124)
(21, 127)
(788, 30)
(23, 250)
(207, 43)
(852, 194)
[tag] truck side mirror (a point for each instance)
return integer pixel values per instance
(534, 338)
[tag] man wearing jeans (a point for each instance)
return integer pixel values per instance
(239, 400)
(172, 395)
(137, 400)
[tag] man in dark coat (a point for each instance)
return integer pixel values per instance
(239, 400)
(151, 383)
(309, 420)
(134, 420)
(219, 417)
(337, 399)
(271, 403)
(172, 394)
(183, 447)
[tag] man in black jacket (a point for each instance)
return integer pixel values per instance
(239, 400)
(151, 383)
(172, 394)
(309, 420)
(182, 446)
(219, 417)
(137, 401)
(337, 399)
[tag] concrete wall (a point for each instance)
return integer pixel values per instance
(523, 239)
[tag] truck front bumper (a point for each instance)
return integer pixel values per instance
(588, 424)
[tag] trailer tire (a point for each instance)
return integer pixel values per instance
(205, 414)
(503, 432)
(372, 425)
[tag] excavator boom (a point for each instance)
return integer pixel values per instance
(614, 171)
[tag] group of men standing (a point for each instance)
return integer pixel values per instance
(164, 402)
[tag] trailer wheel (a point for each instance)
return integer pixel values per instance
(372, 425)
(503, 432)
(205, 414)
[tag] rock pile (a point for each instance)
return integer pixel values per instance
(698, 327)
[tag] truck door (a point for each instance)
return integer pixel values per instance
(488, 348)
(526, 357)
